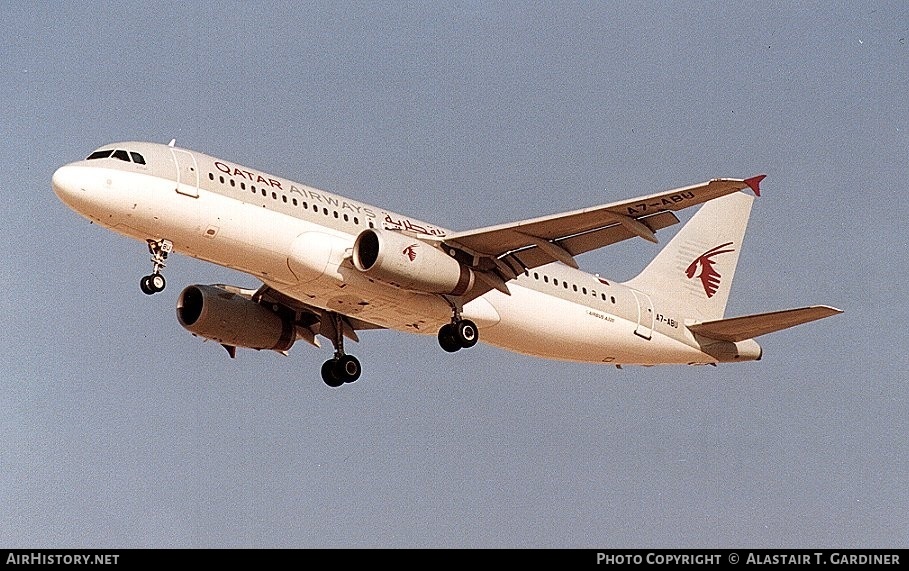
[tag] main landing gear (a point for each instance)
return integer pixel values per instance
(459, 334)
(342, 368)
(155, 282)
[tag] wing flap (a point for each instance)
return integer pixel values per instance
(533, 257)
(587, 241)
(309, 316)
(750, 326)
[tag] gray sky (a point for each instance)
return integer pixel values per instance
(120, 429)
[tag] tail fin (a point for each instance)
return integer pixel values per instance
(695, 269)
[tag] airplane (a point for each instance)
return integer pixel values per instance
(331, 266)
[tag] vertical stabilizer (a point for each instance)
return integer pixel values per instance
(694, 270)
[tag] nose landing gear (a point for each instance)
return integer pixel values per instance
(155, 282)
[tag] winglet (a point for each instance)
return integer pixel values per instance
(754, 183)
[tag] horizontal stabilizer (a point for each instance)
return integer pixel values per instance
(751, 326)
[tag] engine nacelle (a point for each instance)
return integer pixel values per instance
(231, 319)
(409, 263)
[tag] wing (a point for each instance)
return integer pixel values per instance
(500, 253)
(311, 320)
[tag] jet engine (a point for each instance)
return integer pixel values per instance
(231, 319)
(409, 263)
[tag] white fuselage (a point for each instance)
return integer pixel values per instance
(297, 239)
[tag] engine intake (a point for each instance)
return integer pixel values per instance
(214, 313)
(409, 263)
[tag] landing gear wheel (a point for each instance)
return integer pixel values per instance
(466, 333)
(152, 284)
(328, 374)
(145, 285)
(347, 368)
(343, 368)
(340, 370)
(157, 282)
(447, 338)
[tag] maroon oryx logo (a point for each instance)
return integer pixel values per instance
(410, 252)
(708, 276)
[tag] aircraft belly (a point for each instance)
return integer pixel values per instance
(348, 292)
(563, 330)
(241, 236)
(213, 228)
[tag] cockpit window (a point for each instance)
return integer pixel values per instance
(100, 155)
(118, 154)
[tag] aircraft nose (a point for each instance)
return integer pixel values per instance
(65, 182)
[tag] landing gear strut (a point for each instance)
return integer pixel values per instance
(342, 368)
(459, 334)
(155, 282)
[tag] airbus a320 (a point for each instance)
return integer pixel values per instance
(332, 267)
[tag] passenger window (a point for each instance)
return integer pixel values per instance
(274, 196)
(356, 221)
(137, 158)
(536, 275)
(284, 198)
(100, 155)
(546, 279)
(565, 285)
(555, 282)
(584, 289)
(345, 218)
(603, 296)
(574, 287)
(121, 155)
(295, 201)
(233, 182)
(336, 213)
(242, 186)
(612, 297)
(211, 176)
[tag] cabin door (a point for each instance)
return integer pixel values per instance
(187, 177)
(645, 315)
